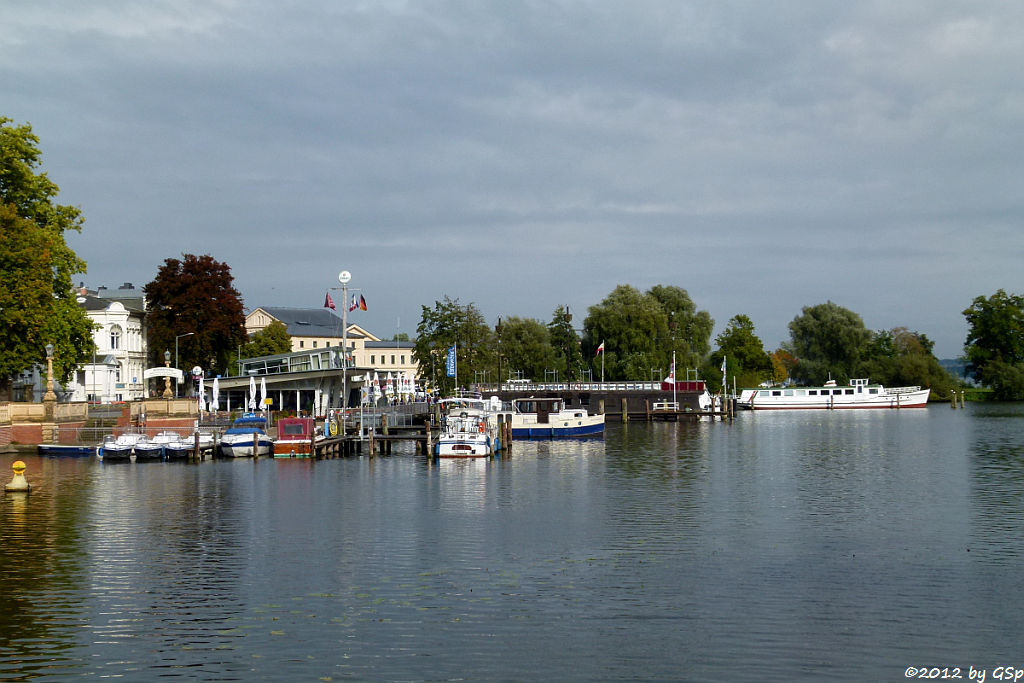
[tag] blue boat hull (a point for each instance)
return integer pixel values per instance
(550, 432)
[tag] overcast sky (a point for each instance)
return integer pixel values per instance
(764, 156)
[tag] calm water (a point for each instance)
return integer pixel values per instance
(811, 545)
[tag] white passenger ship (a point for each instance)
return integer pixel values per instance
(859, 394)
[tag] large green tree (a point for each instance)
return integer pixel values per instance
(37, 300)
(827, 341)
(450, 323)
(995, 343)
(195, 294)
(640, 331)
(566, 344)
(525, 347)
(901, 357)
(744, 354)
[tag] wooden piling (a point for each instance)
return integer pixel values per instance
(255, 444)
(196, 453)
(625, 409)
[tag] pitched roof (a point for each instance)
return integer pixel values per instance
(309, 322)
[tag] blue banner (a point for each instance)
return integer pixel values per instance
(450, 361)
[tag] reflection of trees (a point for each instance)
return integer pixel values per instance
(40, 567)
(997, 480)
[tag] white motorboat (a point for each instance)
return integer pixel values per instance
(247, 437)
(469, 428)
(830, 396)
(119, 448)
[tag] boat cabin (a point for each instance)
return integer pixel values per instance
(295, 428)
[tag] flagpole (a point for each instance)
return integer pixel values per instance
(602, 361)
(344, 277)
(676, 405)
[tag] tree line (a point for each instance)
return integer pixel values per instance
(630, 334)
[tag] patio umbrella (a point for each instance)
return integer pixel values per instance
(263, 393)
(215, 399)
(252, 393)
(202, 394)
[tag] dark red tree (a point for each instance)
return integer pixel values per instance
(194, 295)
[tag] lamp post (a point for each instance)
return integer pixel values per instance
(49, 398)
(167, 378)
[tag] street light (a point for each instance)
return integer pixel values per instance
(176, 338)
(167, 378)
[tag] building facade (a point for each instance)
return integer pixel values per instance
(318, 328)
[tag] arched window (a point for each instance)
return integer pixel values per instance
(115, 337)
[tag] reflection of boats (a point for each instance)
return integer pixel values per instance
(859, 394)
(65, 450)
(119, 448)
(469, 428)
(294, 436)
(549, 417)
(246, 437)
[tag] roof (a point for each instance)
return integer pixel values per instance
(96, 303)
(309, 322)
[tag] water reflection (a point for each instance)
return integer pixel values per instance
(839, 545)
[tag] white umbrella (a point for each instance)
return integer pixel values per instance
(202, 394)
(215, 399)
(263, 393)
(252, 393)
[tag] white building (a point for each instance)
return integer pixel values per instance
(115, 372)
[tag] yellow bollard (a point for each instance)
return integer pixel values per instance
(18, 483)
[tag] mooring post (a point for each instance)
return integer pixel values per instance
(624, 402)
(197, 454)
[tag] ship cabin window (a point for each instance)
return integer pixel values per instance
(848, 392)
(776, 393)
(812, 392)
(801, 392)
(788, 392)
(762, 392)
(872, 391)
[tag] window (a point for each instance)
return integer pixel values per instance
(373, 359)
(302, 344)
(849, 392)
(314, 344)
(117, 373)
(403, 360)
(115, 337)
(392, 359)
(812, 392)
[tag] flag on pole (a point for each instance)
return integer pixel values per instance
(329, 302)
(672, 372)
(600, 349)
(355, 303)
(450, 362)
(362, 303)
(723, 363)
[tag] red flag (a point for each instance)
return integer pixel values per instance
(362, 303)
(354, 305)
(329, 302)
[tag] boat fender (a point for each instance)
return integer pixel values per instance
(463, 414)
(481, 427)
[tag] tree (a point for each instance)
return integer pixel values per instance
(634, 330)
(640, 331)
(995, 343)
(37, 301)
(270, 341)
(828, 341)
(783, 363)
(195, 294)
(744, 353)
(450, 323)
(690, 329)
(526, 346)
(566, 344)
(900, 357)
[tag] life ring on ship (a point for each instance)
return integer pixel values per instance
(481, 427)
(463, 414)
(332, 428)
